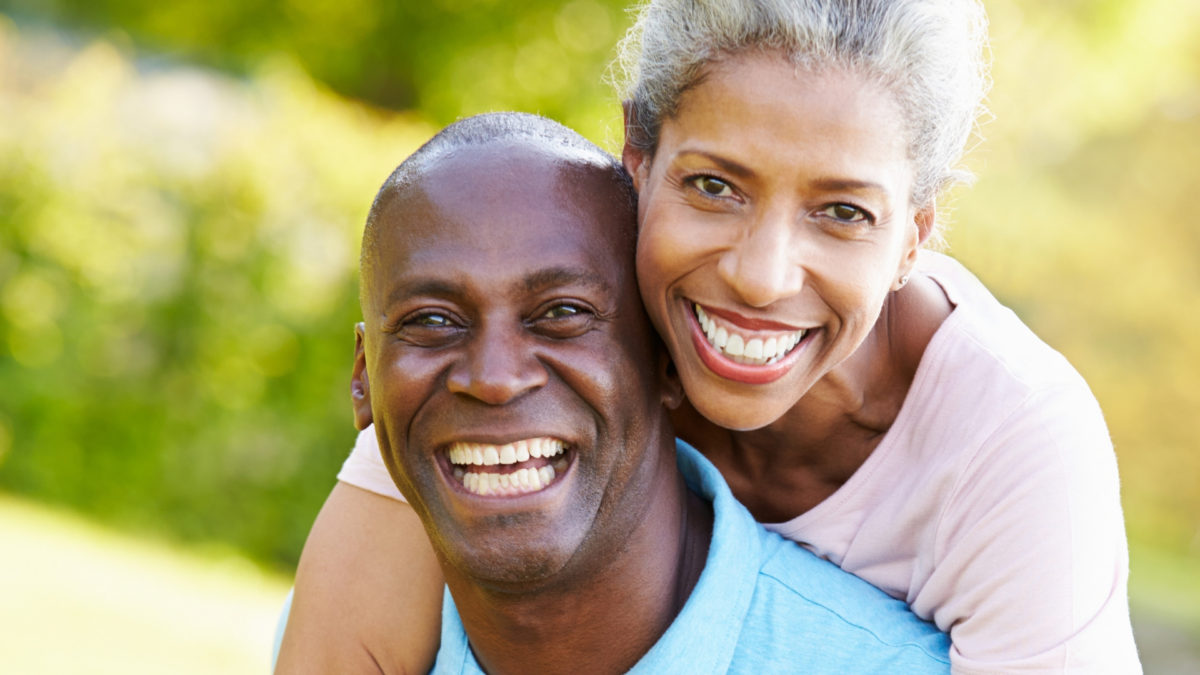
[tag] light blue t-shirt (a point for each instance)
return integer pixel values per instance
(763, 604)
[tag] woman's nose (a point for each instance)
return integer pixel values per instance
(499, 366)
(762, 266)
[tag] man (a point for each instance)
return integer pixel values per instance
(518, 393)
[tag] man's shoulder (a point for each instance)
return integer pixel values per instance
(808, 614)
(803, 613)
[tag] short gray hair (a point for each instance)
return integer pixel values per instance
(929, 53)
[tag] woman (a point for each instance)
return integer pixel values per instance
(868, 398)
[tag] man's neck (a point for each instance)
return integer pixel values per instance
(607, 621)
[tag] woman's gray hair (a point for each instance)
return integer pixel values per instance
(929, 53)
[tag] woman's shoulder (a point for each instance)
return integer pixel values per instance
(991, 393)
(983, 345)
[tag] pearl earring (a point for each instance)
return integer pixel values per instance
(903, 280)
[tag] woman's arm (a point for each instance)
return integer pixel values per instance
(368, 592)
(1031, 561)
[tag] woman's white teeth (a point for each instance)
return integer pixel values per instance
(735, 346)
(524, 480)
(754, 349)
(750, 351)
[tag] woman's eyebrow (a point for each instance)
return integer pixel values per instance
(830, 184)
(728, 165)
(847, 184)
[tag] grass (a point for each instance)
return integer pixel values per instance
(76, 597)
(80, 598)
(1166, 585)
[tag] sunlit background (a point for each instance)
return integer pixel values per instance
(183, 185)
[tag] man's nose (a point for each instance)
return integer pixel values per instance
(499, 366)
(762, 266)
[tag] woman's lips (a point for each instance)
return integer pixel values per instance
(759, 354)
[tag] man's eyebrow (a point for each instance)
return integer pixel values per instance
(434, 287)
(552, 277)
(536, 281)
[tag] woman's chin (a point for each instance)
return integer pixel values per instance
(744, 412)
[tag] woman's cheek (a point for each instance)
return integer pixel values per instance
(651, 284)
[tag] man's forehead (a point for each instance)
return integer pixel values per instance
(501, 163)
(513, 189)
(540, 209)
(525, 149)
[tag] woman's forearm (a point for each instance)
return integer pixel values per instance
(368, 590)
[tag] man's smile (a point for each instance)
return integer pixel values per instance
(509, 470)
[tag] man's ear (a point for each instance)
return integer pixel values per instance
(632, 156)
(668, 381)
(360, 388)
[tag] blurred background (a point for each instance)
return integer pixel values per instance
(183, 186)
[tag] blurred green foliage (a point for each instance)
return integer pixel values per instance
(1083, 221)
(177, 288)
(445, 58)
(178, 246)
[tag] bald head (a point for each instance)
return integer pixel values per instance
(522, 132)
(500, 307)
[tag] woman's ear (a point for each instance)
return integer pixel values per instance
(360, 388)
(924, 221)
(632, 155)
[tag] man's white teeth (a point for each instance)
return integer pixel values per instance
(522, 481)
(749, 351)
(518, 482)
(482, 454)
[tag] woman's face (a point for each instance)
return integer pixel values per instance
(774, 220)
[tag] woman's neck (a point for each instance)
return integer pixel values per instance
(796, 462)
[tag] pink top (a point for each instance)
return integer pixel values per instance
(992, 504)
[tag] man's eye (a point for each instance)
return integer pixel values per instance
(847, 213)
(562, 312)
(711, 186)
(564, 320)
(430, 329)
(430, 320)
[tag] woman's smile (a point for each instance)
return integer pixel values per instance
(745, 350)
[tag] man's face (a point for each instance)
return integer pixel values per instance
(503, 323)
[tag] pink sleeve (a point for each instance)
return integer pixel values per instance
(1031, 561)
(364, 467)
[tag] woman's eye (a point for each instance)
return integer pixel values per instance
(713, 187)
(847, 213)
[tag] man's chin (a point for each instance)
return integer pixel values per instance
(514, 570)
